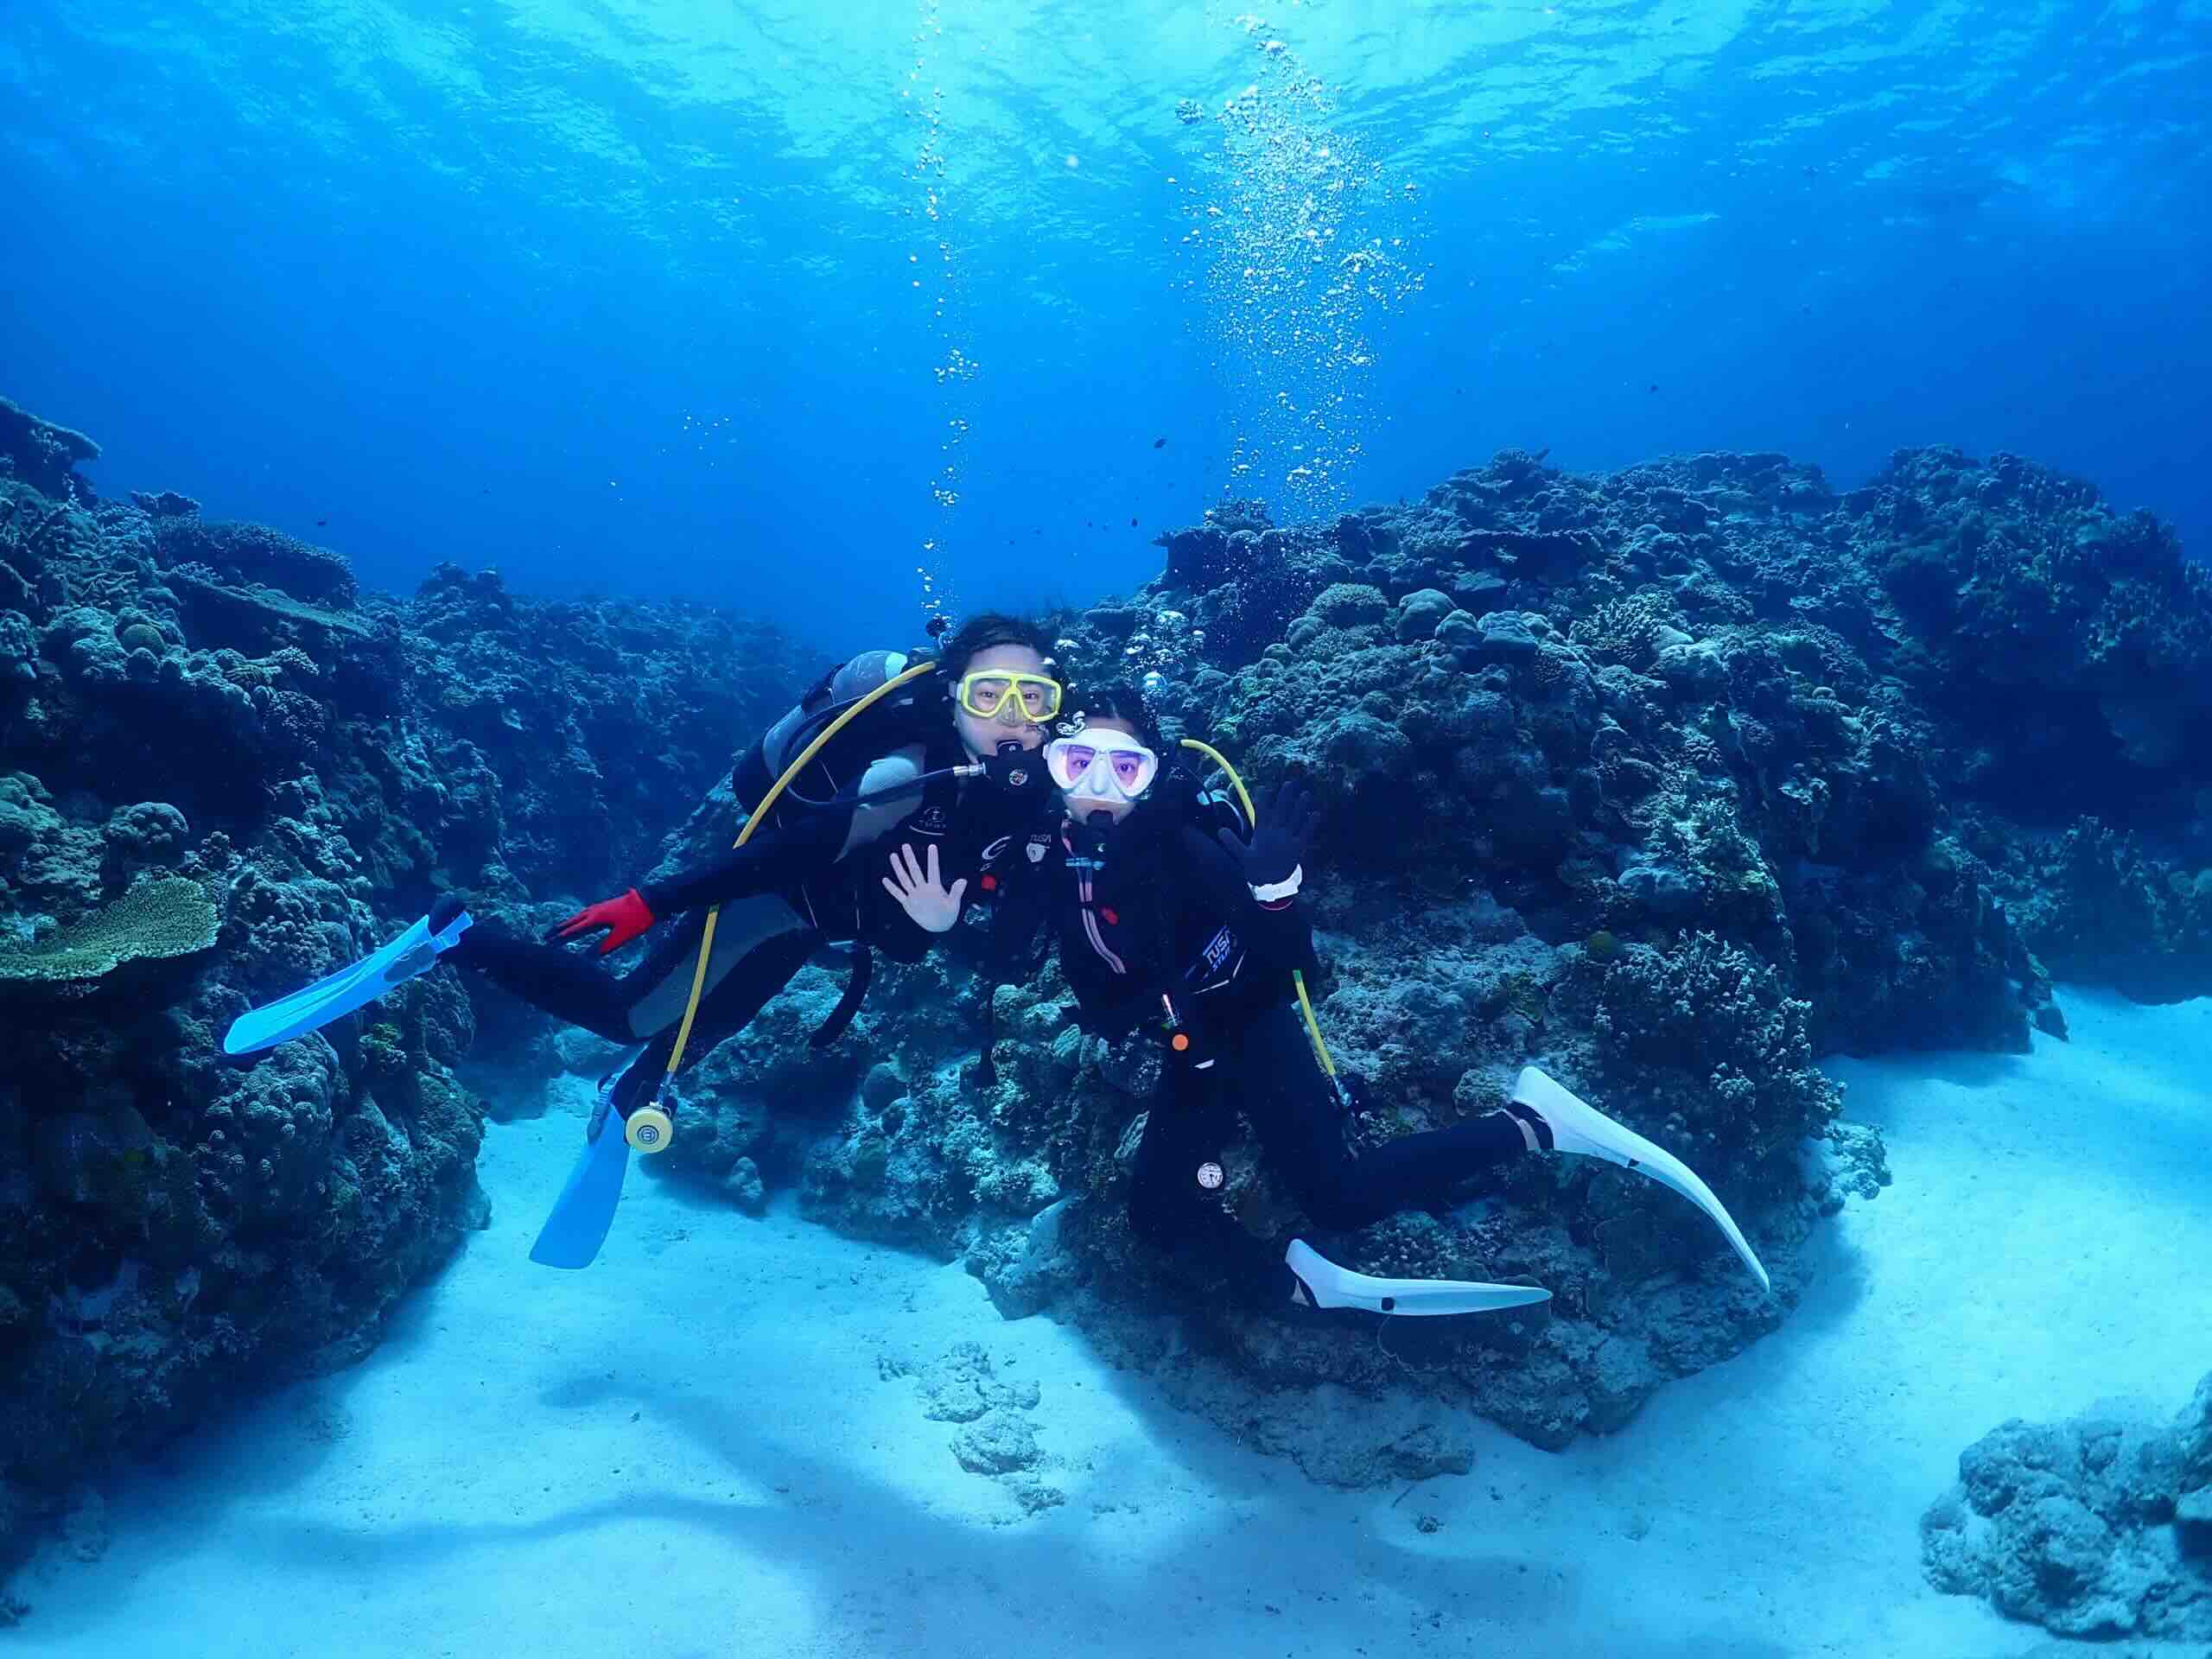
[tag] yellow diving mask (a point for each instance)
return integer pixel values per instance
(985, 691)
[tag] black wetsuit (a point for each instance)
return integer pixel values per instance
(1172, 914)
(808, 878)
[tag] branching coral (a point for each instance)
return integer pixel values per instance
(36, 532)
(1713, 1031)
(1629, 631)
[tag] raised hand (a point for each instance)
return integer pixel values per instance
(926, 901)
(1280, 840)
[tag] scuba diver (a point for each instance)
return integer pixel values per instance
(944, 760)
(800, 883)
(1169, 906)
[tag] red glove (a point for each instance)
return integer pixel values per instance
(624, 918)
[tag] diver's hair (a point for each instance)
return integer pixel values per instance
(1119, 701)
(979, 633)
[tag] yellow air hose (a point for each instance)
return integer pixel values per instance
(648, 1128)
(1297, 977)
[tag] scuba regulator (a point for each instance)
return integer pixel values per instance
(1017, 770)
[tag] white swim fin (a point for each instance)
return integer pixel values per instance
(1579, 1128)
(1324, 1284)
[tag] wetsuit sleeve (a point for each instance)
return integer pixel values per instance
(803, 845)
(1278, 936)
(877, 821)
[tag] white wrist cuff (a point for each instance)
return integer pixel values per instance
(1282, 889)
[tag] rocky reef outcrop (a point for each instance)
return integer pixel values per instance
(224, 772)
(1672, 781)
(1669, 780)
(2098, 1527)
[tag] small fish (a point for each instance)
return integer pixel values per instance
(1160, 443)
(320, 523)
(1653, 386)
(1133, 524)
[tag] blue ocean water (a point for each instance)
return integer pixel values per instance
(840, 317)
(656, 295)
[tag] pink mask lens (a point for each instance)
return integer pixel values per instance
(1071, 761)
(1129, 768)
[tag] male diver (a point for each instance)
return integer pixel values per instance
(804, 881)
(951, 769)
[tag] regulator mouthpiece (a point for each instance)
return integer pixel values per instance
(1015, 769)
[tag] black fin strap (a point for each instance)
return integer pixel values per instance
(849, 1004)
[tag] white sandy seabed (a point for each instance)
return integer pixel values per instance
(692, 1449)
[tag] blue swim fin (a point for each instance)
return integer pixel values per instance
(341, 993)
(585, 1210)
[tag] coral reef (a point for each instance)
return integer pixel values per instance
(1671, 781)
(1693, 809)
(2126, 907)
(42, 454)
(251, 555)
(305, 767)
(2100, 1526)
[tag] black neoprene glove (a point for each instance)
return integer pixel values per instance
(1272, 861)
